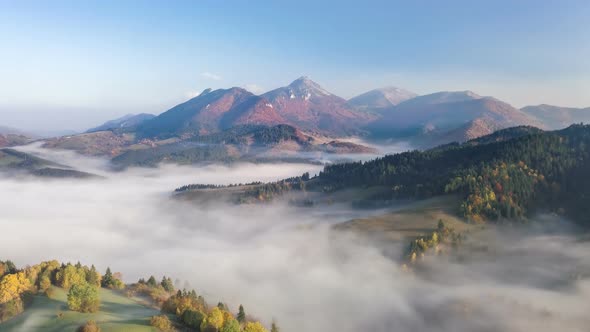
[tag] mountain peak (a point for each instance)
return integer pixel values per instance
(443, 97)
(305, 87)
(381, 98)
(206, 91)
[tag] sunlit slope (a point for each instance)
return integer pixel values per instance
(411, 220)
(117, 314)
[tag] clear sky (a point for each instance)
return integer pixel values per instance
(74, 64)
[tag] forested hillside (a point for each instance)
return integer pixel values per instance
(506, 175)
(504, 178)
(181, 309)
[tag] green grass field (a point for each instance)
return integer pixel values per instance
(117, 314)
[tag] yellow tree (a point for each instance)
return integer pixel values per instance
(254, 327)
(213, 320)
(12, 286)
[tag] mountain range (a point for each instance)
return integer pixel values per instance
(303, 104)
(556, 117)
(381, 113)
(381, 99)
(313, 112)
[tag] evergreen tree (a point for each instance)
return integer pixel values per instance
(152, 282)
(107, 279)
(93, 277)
(241, 315)
(441, 225)
(222, 306)
(167, 284)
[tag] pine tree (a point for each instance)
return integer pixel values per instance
(222, 306)
(241, 314)
(441, 225)
(93, 277)
(107, 279)
(167, 284)
(152, 282)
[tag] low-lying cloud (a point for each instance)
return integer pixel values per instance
(286, 263)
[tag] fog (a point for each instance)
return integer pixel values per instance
(286, 263)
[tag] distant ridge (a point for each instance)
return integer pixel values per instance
(127, 121)
(556, 117)
(382, 98)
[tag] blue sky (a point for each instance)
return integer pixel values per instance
(71, 64)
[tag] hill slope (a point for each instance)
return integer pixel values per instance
(16, 162)
(308, 106)
(506, 175)
(379, 99)
(245, 143)
(555, 117)
(546, 169)
(127, 121)
(449, 116)
(211, 111)
(118, 314)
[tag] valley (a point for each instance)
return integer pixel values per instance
(309, 166)
(299, 192)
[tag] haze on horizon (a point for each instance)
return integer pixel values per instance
(69, 65)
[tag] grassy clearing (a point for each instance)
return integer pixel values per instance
(414, 220)
(117, 314)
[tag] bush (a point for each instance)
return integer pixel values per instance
(90, 326)
(162, 323)
(83, 298)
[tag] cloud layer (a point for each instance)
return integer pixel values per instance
(286, 263)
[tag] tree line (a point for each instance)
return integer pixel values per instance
(18, 287)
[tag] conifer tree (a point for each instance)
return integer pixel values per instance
(241, 314)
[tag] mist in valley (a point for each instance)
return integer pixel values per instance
(287, 263)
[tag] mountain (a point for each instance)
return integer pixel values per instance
(209, 112)
(508, 175)
(448, 116)
(556, 117)
(303, 104)
(13, 140)
(244, 143)
(308, 106)
(98, 143)
(129, 120)
(13, 137)
(16, 162)
(380, 99)
(497, 136)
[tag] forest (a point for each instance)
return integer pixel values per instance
(507, 175)
(501, 178)
(181, 309)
